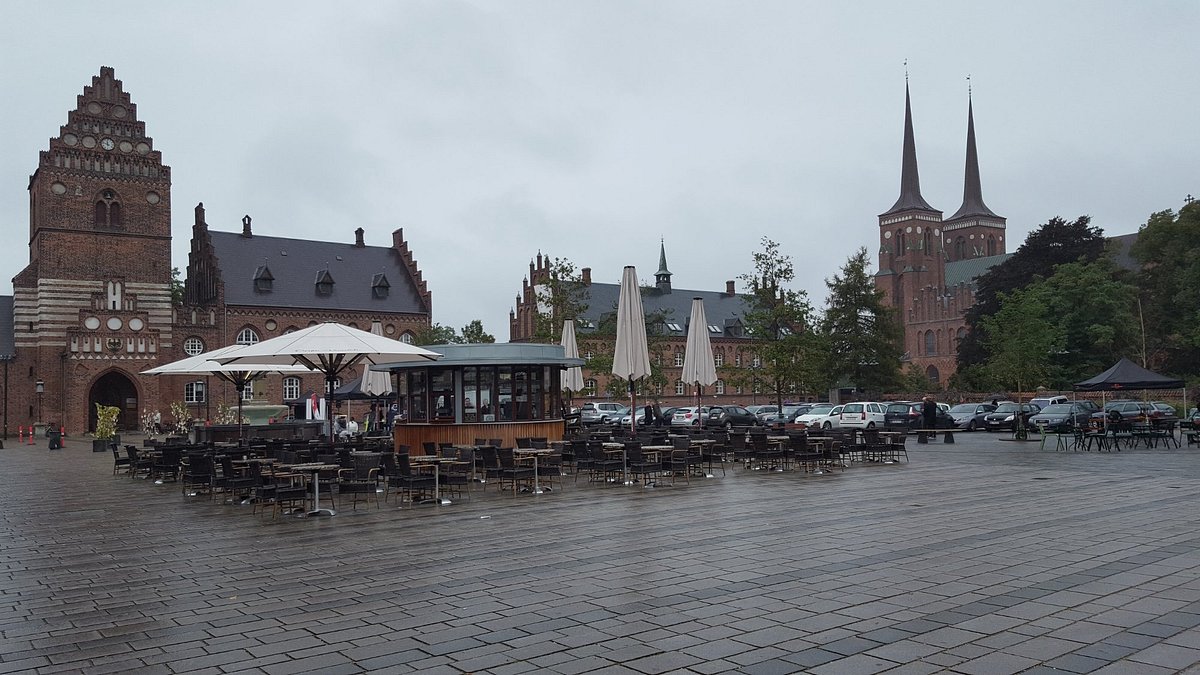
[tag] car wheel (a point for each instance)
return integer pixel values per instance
(827, 425)
(870, 425)
(971, 426)
(604, 419)
(728, 426)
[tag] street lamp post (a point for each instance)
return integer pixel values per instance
(41, 389)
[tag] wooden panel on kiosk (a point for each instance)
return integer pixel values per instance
(414, 434)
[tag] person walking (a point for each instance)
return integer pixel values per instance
(929, 413)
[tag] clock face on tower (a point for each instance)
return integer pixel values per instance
(107, 144)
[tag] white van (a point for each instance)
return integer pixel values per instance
(1042, 401)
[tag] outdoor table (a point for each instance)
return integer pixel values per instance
(612, 447)
(1060, 442)
(535, 453)
(437, 462)
(315, 469)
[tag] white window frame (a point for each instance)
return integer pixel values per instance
(680, 389)
(193, 346)
(247, 336)
(291, 388)
(194, 392)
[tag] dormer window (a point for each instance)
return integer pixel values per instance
(324, 283)
(379, 286)
(264, 281)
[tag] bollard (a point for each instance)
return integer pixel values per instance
(31, 430)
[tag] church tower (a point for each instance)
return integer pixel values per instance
(910, 254)
(93, 306)
(974, 231)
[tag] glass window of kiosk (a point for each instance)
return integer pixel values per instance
(413, 397)
(441, 394)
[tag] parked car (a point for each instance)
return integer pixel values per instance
(822, 415)
(865, 415)
(1005, 415)
(1129, 411)
(1163, 411)
(1060, 417)
(641, 416)
(787, 416)
(601, 412)
(909, 415)
(1044, 401)
(729, 416)
(764, 410)
(970, 416)
(690, 416)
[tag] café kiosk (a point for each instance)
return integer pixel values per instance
(493, 391)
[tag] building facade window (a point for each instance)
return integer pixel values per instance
(679, 388)
(248, 391)
(589, 387)
(719, 358)
(291, 388)
(930, 343)
(720, 387)
(406, 337)
(193, 392)
(737, 360)
(678, 359)
(193, 346)
(247, 336)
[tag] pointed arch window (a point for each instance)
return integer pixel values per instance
(930, 343)
(247, 337)
(991, 245)
(107, 213)
(960, 248)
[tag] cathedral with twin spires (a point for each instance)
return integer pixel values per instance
(928, 265)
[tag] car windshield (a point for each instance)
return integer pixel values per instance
(1057, 409)
(964, 408)
(1007, 408)
(820, 410)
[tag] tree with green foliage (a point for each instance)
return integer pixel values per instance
(1169, 290)
(864, 339)
(1023, 341)
(435, 334)
(779, 322)
(176, 287)
(473, 333)
(1093, 305)
(1054, 243)
(560, 296)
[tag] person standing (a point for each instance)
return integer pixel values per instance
(929, 413)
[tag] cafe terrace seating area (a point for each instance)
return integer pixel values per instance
(278, 477)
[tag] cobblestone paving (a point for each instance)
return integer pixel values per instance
(979, 557)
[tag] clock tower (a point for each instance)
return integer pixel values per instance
(93, 306)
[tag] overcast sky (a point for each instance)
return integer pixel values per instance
(588, 130)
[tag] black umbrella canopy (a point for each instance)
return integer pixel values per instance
(1128, 375)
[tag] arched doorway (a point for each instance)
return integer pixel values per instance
(114, 389)
(932, 374)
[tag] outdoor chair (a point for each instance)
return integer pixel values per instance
(196, 475)
(456, 477)
(231, 481)
(516, 474)
(639, 465)
(361, 479)
(402, 480)
(603, 465)
(166, 465)
(120, 464)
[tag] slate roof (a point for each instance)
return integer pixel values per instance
(968, 270)
(296, 264)
(721, 310)
(8, 343)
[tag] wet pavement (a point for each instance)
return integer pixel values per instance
(982, 557)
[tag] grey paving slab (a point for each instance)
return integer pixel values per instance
(980, 557)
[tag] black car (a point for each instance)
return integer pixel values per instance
(730, 416)
(1060, 417)
(909, 416)
(1004, 418)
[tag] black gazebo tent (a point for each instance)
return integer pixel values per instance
(1128, 375)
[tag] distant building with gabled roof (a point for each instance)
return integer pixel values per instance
(668, 312)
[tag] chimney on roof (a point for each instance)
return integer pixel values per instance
(246, 226)
(358, 238)
(729, 288)
(586, 275)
